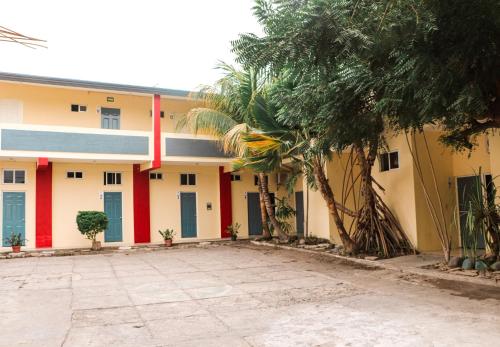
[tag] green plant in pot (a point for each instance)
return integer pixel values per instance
(233, 230)
(15, 240)
(90, 224)
(168, 235)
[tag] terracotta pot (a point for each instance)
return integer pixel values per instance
(96, 245)
(16, 249)
(168, 243)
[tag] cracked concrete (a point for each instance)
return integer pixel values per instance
(235, 296)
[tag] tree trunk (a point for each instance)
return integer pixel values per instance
(328, 196)
(266, 234)
(270, 207)
(377, 229)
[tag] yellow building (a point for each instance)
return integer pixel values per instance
(397, 171)
(70, 145)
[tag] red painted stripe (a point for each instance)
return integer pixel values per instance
(226, 210)
(142, 226)
(43, 222)
(42, 163)
(156, 132)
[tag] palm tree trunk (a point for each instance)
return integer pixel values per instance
(270, 207)
(327, 193)
(266, 234)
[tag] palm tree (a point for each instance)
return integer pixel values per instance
(230, 110)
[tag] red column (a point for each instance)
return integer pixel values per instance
(43, 198)
(226, 210)
(156, 132)
(142, 224)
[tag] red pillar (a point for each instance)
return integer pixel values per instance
(142, 224)
(156, 132)
(226, 210)
(43, 198)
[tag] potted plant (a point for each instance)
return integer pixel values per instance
(233, 230)
(15, 241)
(168, 235)
(91, 223)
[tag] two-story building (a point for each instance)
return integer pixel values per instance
(70, 145)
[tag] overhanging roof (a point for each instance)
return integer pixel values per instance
(74, 83)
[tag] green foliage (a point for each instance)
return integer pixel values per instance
(233, 229)
(482, 219)
(283, 213)
(15, 239)
(167, 234)
(91, 223)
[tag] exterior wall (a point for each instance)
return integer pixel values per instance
(494, 148)
(72, 195)
(46, 105)
(30, 202)
(165, 201)
(467, 163)
(399, 194)
(443, 163)
(239, 204)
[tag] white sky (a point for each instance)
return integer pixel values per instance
(163, 43)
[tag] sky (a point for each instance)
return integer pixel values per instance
(162, 43)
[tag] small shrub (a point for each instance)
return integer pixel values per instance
(233, 229)
(167, 234)
(15, 240)
(91, 223)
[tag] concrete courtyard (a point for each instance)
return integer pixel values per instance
(235, 296)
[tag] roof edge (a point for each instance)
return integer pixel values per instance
(76, 83)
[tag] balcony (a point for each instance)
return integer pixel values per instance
(22, 140)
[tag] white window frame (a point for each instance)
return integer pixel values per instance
(233, 178)
(187, 179)
(14, 176)
(113, 172)
(156, 176)
(389, 161)
(79, 108)
(74, 175)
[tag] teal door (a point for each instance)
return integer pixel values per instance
(299, 212)
(188, 215)
(110, 118)
(113, 209)
(254, 217)
(468, 189)
(13, 215)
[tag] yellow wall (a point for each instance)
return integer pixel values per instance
(48, 105)
(72, 195)
(165, 202)
(239, 201)
(467, 163)
(29, 189)
(494, 147)
(399, 194)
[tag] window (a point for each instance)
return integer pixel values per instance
(155, 176)
(188, 179)
(162, 114)
(74, 174)
(78, 108)
(256, 180)
(235, 178)
(389, 161)
(112, 178)
(14, 176)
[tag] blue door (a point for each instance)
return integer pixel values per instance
(299, 212)
(110, 118)
(254, 217)
(13, 215)
(113, 209)
(468, 189)
(188, 215)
